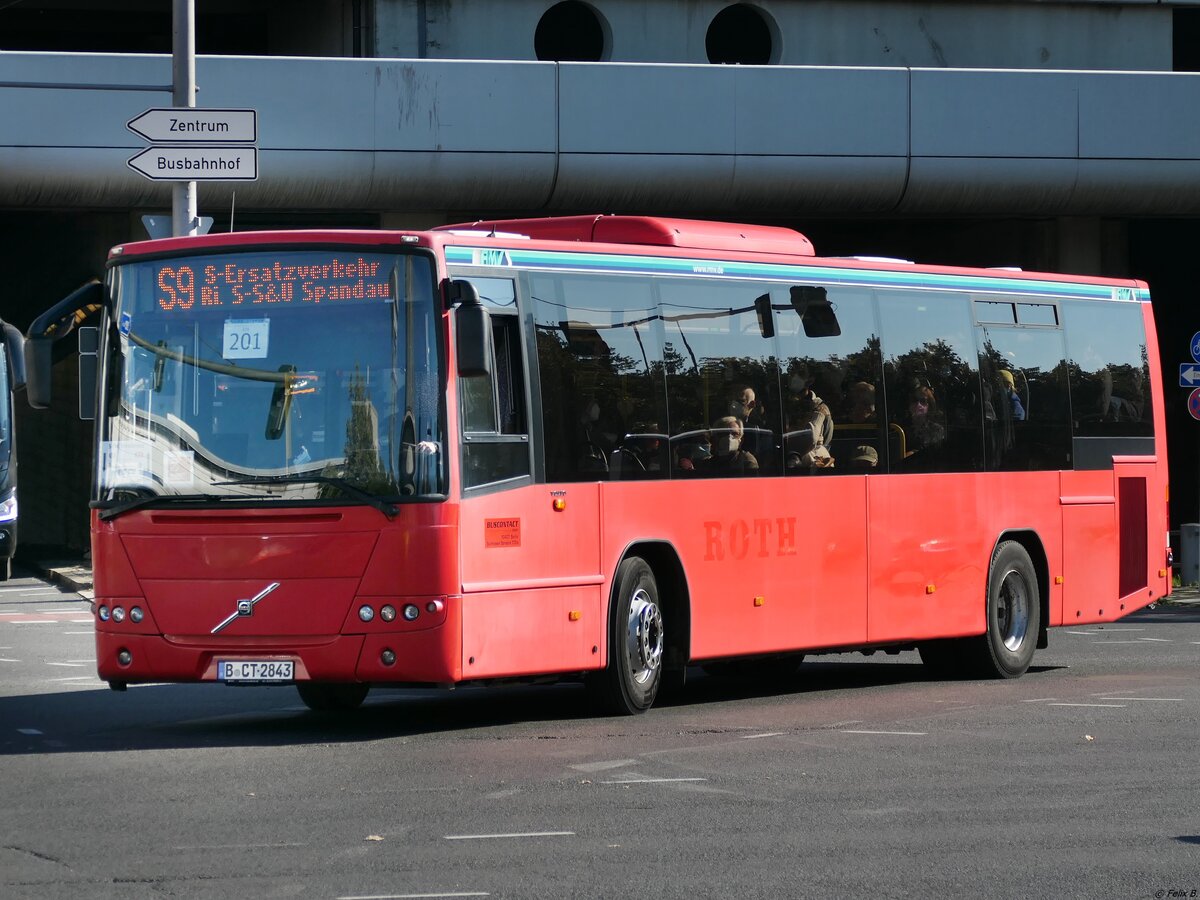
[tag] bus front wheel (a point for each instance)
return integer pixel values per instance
(322, 696)
(636, 640)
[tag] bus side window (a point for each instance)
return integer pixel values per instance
(931, 374)
(494, 416)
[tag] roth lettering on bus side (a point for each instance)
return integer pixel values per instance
(755, 537)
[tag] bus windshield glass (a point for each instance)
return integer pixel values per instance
(291, 374)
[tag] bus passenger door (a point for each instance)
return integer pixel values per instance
(529, 552)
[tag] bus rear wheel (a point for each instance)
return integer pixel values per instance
(636, 641)
(323, 696)
(1014, 613)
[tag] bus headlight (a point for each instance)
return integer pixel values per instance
(8, 508)
(366, 613)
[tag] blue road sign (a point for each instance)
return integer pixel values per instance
(1189, 375)
(1196, 346)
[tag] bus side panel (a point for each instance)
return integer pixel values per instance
(770, 565)
(932, 538)
(1089, 514)
(928, 556)
(531, 581)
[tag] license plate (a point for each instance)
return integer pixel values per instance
(243, 671)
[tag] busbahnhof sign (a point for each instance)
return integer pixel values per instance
(197, 144)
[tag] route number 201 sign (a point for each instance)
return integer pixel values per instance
(246, 338)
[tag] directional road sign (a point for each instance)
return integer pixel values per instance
(1189, 375)
(196, 125)
(197, 163)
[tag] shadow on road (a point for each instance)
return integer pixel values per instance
(155, 717)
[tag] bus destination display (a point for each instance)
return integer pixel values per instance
(288, 278)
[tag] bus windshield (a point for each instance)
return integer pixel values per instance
(297, 374)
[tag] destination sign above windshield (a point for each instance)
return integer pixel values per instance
(264, 279)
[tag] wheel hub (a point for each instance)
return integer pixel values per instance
(645, 637)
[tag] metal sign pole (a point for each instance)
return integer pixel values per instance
(183, 81)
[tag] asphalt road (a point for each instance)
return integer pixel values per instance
(861, 778)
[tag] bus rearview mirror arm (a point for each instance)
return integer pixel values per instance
(55, 323)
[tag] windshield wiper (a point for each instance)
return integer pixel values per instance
(388, 509)
(112, 512)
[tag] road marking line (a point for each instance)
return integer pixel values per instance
(6, 659)
(1105, 705)
(64, 609)
(235, 846)
(601, 766)
(30, 731)
(79, 622)
(652, 780)
(751, 737)
(72, 678)
(1138, 641)
(67, 665)
(913, 733)
(31, 622)
(413, 896)
(1162, 640)
(515, 834)
(1164, 699)
(1039, 700)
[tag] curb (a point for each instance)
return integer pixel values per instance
(72, 576)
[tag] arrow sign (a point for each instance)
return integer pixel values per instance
(198, 163)
(1189, 375)
(189, 125)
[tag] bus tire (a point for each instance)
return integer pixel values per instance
(636, 641)
(1013, 615)
(323, 696)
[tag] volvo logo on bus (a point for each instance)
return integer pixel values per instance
(246, 607)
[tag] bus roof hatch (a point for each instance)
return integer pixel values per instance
(690, 234)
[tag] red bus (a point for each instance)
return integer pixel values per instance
(603, 448)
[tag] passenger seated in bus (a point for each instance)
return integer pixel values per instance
(1016, 408)
(864, 459)
(923, 428)
(593, 456)
(728, 457)
(640, 454)
(743, 405)
(860, 403)
(809, 428)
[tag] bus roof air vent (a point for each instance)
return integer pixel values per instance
(688, 234)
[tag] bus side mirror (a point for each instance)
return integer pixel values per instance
(473, 331)
(56, 322)
(15, 354)
(39, 364)
(816, 312)
(766, 318)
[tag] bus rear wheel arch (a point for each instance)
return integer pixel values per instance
(1015, 617)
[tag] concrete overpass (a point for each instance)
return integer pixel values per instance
(450, 136)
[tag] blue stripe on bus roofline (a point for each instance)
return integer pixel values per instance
(665, 265)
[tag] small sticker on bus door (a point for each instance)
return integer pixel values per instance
(502, 532)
